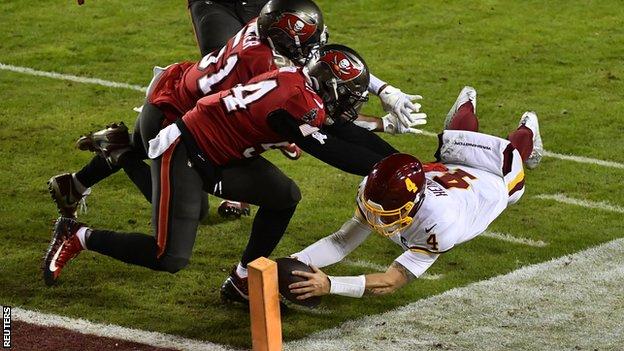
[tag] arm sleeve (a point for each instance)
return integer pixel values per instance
(375, 84)
(363, 137)
(416, 262)
(341, 154)
(335, 247)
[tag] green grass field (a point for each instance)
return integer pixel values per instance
(562, 59)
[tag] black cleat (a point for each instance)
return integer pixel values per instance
(235, 289)
(109, 143)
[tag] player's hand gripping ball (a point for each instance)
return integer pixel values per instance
(285, 266)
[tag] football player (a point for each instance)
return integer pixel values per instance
(286, 31)
(215, 147)
(427, 209)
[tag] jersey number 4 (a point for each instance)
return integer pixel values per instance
(243, 95)
(456, 179)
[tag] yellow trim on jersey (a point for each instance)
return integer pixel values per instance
(518, 179)
(421, 251)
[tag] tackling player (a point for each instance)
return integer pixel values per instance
(427, 209)
(214, 148)
(286, 30)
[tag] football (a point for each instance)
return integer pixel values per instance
(285, 266)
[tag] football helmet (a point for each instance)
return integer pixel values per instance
(393, 192)
(340, 76)
(293, 27)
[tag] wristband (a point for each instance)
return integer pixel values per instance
(347, 286)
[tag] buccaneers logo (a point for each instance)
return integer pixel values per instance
(342, 67)
(295, 27)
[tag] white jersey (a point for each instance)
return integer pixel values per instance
(477, 177)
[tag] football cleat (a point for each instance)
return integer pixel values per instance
(65, 194)
(233, 209)
(468, 93)
(109, 143)
(235, 288)
(529, 120)
(291, 151)
(64, 246)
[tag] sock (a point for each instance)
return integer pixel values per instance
(79, 186)
(83, 235)
(465, 119)
(241, 271)
(522, 140)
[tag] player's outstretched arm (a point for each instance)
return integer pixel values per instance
(333, 248)
(346, 156)
(318, 283)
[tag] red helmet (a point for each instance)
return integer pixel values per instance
(393, 192)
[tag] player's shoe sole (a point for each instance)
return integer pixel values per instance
(64, 194)
(529, 119)
(110, 143)
(468, 93)
(64, 246)
(233, 209)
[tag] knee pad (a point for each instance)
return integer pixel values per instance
(287, 195)
(171, 264)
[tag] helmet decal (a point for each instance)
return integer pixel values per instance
(341, 66)
(296, 27)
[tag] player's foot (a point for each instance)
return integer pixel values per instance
(233, 209)
(235, 289)
(467, 94)
(110, 143)
(65, 194)
(529, 120)
(64, 246)
(291, 151)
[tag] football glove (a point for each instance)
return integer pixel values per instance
(399, 104)
(392, 125)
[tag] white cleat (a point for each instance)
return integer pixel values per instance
(529, 120)
(468, 93)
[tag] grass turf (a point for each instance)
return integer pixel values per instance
(559, 58)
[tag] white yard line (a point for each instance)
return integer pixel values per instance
(381, 268)
(600, 205)
(583, 159)
(514, 239)
(70, 77)
(573, 302)
(54, 75)
(115, 331)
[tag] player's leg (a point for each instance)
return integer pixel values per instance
(527, 139)
(248, 9)
(68, 190)
(176, 210)
(258, 182)
(462, 115)
(176, 207)
(214, 22)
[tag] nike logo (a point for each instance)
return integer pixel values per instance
(291, 154)
(427, 230)
(319, 104)
(53, 266)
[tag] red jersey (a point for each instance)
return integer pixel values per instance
(182, 84)
(233, 124)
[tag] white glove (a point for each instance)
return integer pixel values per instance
(401, 105)
(391, 124)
